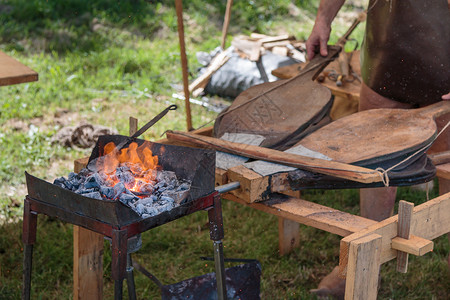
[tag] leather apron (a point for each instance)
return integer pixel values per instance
(405, 55)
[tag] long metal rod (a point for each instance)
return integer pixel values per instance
(130, 279)
(184, 64)
(222, 189)
(220, 270)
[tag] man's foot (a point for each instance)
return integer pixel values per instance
(331, 286)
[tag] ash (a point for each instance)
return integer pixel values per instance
(163, 193)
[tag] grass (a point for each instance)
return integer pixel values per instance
(103, 61)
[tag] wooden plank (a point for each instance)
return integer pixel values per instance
(414, 245)
(440, 158)
(255, 187)
(198, 85)
(363, 268)
(87, 257)
(405, 210)
(443, 171)
(430, 220)
(309, 213)
(326, 167)
(283, 51)
(87, 264)
(271, 45)
(288, 235)
(14, 72)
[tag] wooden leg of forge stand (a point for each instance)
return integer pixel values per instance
(216, 233)
(87, 258)
(28, 238)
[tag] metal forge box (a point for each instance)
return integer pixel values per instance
(119, 222)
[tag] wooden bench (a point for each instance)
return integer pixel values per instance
(366, 244)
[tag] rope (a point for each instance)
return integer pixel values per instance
(384, 173)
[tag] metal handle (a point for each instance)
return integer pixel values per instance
(153, 121)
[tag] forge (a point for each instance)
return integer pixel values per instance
(124, 191)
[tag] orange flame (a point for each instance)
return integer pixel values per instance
(139, 159)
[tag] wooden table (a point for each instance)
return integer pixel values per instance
(14, 72)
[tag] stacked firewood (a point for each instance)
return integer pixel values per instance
(251, 47)
(255, 45)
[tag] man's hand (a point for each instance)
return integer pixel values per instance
(317, 41)
(446, 97)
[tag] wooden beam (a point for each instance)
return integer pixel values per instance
(221, 177)
(363, 268)
(309, 213)
(414, 245)
(430, 220)
(326, 167)
(440, 158)
(443, 171)
(254, 187)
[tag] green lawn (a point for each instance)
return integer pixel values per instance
(102, 61)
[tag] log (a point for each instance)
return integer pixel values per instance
(321, 166)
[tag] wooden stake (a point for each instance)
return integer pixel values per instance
(405, 211)
(226, 23)
(133, 125)
(184, 64)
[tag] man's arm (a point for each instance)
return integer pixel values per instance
(320, 34)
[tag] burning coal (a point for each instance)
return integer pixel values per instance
(131, 176)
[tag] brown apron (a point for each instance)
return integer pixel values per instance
(406, 50)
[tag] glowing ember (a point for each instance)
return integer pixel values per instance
(133, 177)
(136, 165)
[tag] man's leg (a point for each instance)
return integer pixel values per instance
(443, 144)
(375, 203)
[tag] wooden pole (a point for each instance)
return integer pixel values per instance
(322, 166)
(184, 65)
(226, 23)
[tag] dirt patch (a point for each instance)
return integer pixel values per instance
(61, 118)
